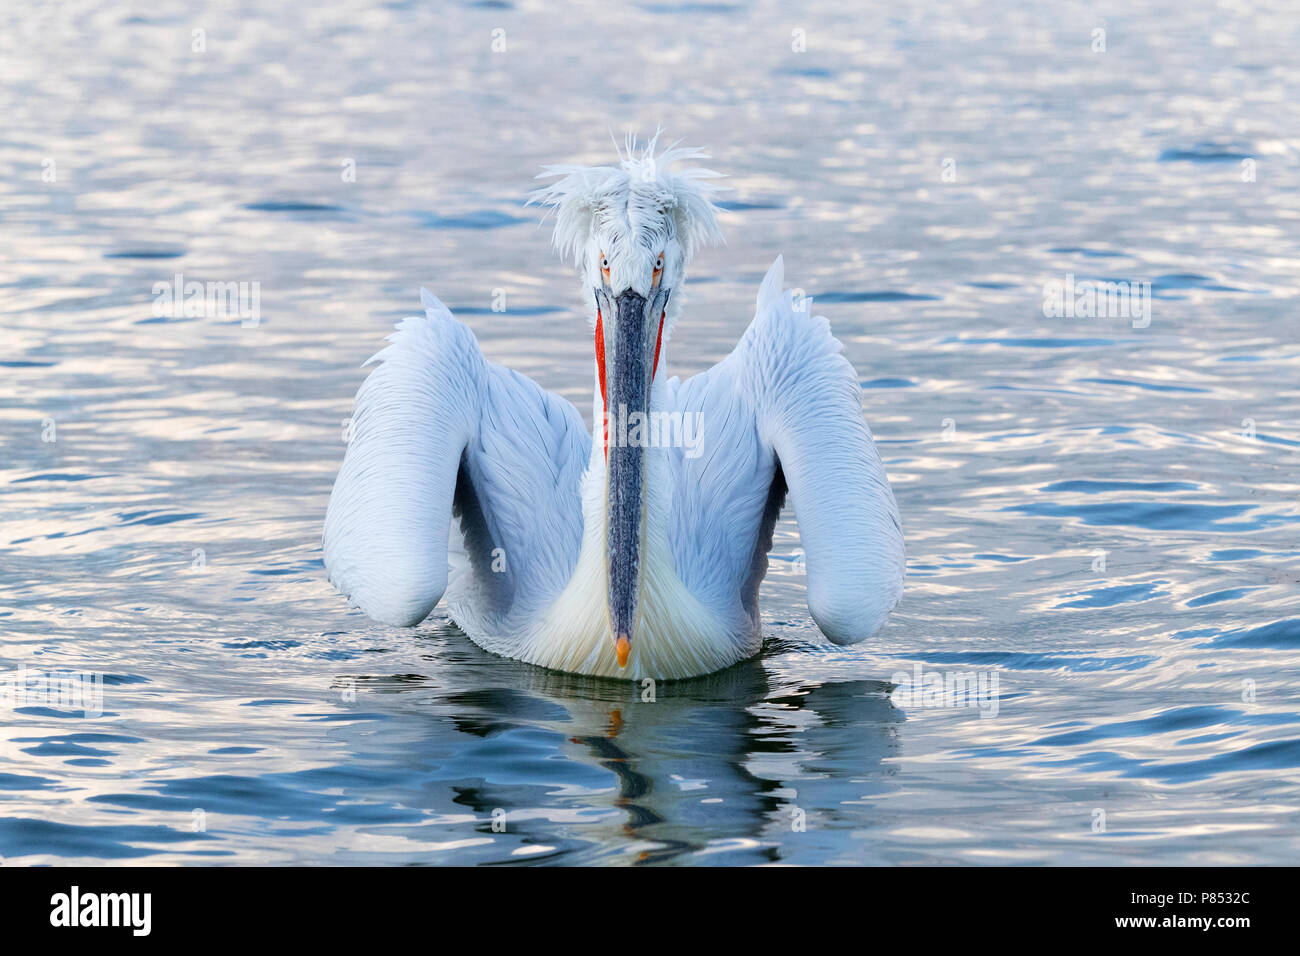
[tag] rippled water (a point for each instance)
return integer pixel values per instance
(1103, 517)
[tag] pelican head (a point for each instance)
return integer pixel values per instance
(631, 229)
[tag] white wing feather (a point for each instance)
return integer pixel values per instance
(438, 430)
(787, 396)
(435, 426)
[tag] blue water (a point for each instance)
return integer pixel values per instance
(1104, 518)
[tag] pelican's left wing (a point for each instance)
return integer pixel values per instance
(783, 414)
(808, 406)
(437, 431)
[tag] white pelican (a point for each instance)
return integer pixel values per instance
(638, 553)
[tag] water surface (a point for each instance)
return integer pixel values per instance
(1106, 518)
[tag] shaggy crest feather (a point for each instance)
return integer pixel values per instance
(640, 189)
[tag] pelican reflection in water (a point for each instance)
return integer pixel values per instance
(577, 768)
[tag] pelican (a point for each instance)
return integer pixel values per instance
(636, 550)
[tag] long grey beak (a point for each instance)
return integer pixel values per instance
(628, 392)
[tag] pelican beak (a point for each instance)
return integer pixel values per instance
(629, 348)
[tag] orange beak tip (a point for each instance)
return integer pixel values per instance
(622, 647)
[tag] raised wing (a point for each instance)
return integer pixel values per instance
(437, 430)
(784, 412)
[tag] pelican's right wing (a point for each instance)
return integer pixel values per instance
(438, 429)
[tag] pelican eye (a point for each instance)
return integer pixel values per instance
(659, 267)
(604, 266)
